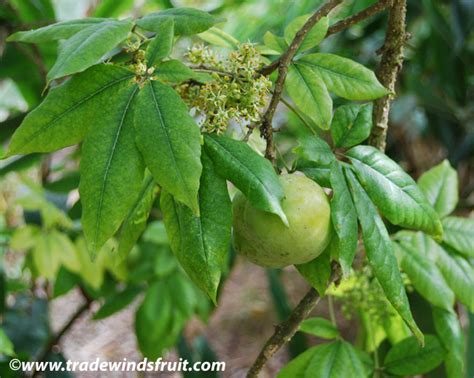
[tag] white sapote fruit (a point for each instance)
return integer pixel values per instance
(265, 240)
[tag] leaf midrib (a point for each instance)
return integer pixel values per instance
(109, 162)
(170, 146)
(244, 166)
(319, 67)
(74, 107)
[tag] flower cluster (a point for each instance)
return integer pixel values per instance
(234, 91)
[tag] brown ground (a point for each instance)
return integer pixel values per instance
(236, 331)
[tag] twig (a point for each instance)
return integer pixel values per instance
(54, 340)
(285, 331)
(379, 6)
(387, 72)
(340, 26)
(285, 60)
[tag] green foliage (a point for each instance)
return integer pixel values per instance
(337, 359)
(310, 94)
(88, 46)
(187, 21)
(409, 358)
(344, 77)
(380, 253)
(320, 327)
(161, 46)
(318, 271)
(169, 141)
(351, 124)
(132, 107)
(393, 191)
(440, 186)
(313, 38)
(248, 171)
(64, 117)
(344, 218)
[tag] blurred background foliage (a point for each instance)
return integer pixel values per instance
(432, 118)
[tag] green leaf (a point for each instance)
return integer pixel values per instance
(335, 360)
(459, 234)
(187, 21)
(111, 171)
(344, 77)
(315, 149)
(218, 37)
(66, 114)
(6, 346)
(380, 253)
(201, 243)
(175, 72)
(351, 124)
(408, 358)
(135, 222)
(157, 322)
(425, 276)
(54, 32)
(393, 191)
(117, 302)
(451, 335)
(344, 218)
(440, 186)
(277, 45)
(317, 272)
(169, 141)
(161, 46)
(64, 282)
(310, 94)
(113, 8)
(46, 258)
(313, 38)
(248, 171)
(88, 46)
(459, 275)
(315, 172)
(320, 327)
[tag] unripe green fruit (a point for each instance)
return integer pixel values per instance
(266, 241)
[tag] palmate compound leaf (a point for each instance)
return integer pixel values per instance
(161, 45)
(54, 32)
(424, 276)
(334, 360)
(380, 253)
(187, 21)
(344, 77)
(393, 191)
(248, 171)
(111, 169)
(64, 117)
(320, 327)
(169, 141)
(440, 186)
(310, 94)
(201, 243)
(408, 358)
(88, 46)
(451, 335)
(344, 218)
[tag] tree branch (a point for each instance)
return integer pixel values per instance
(379, 6)
(284, 62)
(340, 26)
(286, 330)
(54, 340)
(387, 72)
